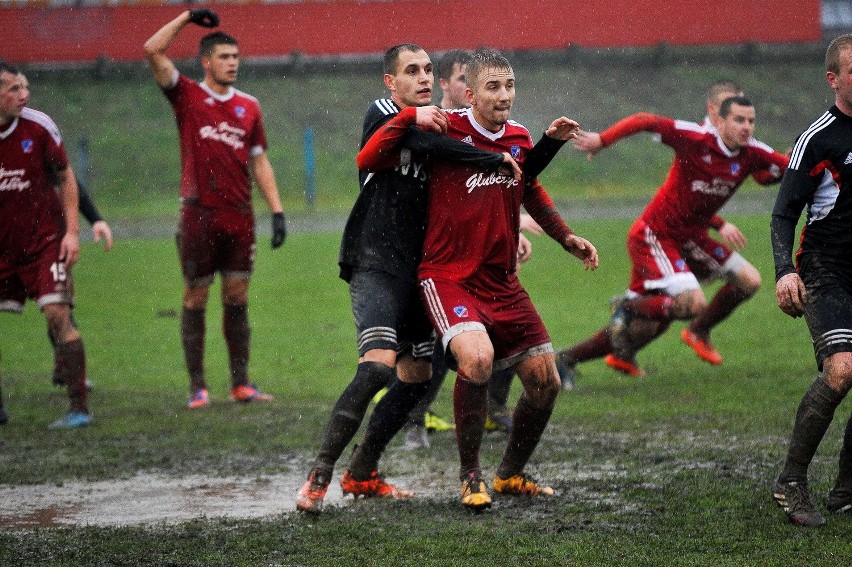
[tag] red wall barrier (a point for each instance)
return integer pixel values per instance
(67, 34)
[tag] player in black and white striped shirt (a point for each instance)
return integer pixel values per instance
(820, 286)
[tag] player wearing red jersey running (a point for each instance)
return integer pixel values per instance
(470, 287)
(669, 243)
(223, 146)
(39, 233)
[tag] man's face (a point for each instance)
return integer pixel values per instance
(737, 128)
(454, 88)
(25, 86)
(13, 96)
(492, 96)
(842, 82)
(222, 65)
(413, 81)
(714, 105)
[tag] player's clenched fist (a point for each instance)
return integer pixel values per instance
(204, 18)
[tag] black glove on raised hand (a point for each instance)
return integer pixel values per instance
(279, 229)
(204, 18)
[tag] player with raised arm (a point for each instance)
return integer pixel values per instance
(819, 286)
(39, 241)
(223, 147)
(669, 244)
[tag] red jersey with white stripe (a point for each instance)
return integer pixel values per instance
(31, 216)
(703, 175)
(218, 134)
(474, 217)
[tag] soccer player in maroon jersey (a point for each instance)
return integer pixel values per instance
(451, 76)
(223, 146)
(100, 231)
(669, 244)
(470, 288)
(39, 241)
(381, 247)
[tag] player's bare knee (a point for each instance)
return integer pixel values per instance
(747, 281)
(837, 372)
(58, 318)
(195, 297)
(414, 371)
(476, 369)
(234, 291)
(688, 304)
(542, 389)
(382, 356)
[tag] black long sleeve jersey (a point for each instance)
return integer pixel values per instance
(387, 224)
(819, 177)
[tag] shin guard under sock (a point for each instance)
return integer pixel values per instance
(71, 362)
(192, 335)
(528, 424)
(470, 404)
(844, 470)
(389, 415)
(723, 304)
(813, 417)
(349, 411)
(235, 327)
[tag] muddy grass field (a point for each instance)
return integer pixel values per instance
(672, 469)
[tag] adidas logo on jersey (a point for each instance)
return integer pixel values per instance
(469, 140)
(848, 159)
(708, 158)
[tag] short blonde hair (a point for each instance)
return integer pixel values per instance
(832, 54)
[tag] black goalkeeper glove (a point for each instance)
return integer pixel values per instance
(279, 229)
(204, 18)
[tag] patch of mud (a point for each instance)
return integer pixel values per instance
(156, 499)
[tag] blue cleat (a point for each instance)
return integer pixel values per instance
(72, 420)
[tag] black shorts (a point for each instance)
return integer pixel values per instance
(828, 310)
(389, 315)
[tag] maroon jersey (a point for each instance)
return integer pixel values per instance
(474, 216)
(703, 175)
(31, 214)
(218, 134)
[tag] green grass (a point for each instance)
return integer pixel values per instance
(134, 151)
(671, 469)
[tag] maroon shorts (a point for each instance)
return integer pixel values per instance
(215, 240)
(505, 312)
(44, 279)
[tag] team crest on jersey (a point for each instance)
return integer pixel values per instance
(209, 101)
(460, 311)
(240, 111)
(515, 151)
(680, 264)
(719, 252)
(27, 146)
(707, 158)
(735, 168)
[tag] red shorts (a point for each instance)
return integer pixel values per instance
(507, 315)
(45, 279)
(663, 264)
(215, 240)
